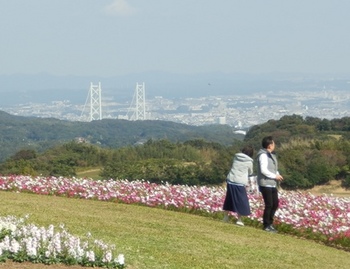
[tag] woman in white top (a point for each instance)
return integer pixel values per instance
(236, 199)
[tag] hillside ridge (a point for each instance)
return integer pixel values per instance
(18, 132)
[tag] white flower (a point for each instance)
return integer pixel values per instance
(90, 255)
(120, 259)
(14, 246)
(47, 254)
(107, 257)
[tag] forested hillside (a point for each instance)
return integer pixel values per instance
(311, 152)
(38, 134)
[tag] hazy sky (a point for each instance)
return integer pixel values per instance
(117, 37)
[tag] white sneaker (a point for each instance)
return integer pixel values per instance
(239, 223)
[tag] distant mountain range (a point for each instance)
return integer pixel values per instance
(24, 88)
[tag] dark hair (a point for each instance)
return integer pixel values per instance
(248, 150)
(267, 140)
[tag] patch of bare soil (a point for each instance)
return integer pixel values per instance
(29, 265)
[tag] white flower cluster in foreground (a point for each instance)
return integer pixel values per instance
(20, 242)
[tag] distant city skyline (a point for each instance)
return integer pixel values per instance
(238, 111)
(108, 38)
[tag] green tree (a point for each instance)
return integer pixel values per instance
(319, 171)
(295, 180)
(324, 125)
(346, 182)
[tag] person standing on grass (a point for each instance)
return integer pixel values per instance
(268, 179)
(236, 199)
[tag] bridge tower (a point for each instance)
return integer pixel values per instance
(94, 102)
(138, 104)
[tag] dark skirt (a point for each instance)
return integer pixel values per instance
(236, 200)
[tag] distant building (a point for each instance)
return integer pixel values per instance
(222, 120)
(240, 132)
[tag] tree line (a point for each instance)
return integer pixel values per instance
(309, 154)
(40, 134)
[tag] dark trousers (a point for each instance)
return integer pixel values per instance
(270, 196)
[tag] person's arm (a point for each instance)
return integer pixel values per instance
(263, 160)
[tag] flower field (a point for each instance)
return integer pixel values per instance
(322, 218)
(21, 242)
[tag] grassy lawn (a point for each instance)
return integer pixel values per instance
(156, 238)
(333, 187)
(89, 173)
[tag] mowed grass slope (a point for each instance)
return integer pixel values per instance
(156, 238)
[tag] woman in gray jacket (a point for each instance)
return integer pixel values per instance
(236, 199)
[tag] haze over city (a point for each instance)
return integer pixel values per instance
(52, 50)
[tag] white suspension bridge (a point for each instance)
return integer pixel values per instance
(93, 106)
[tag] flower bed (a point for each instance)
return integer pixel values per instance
(323, 218)
(20, 242)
